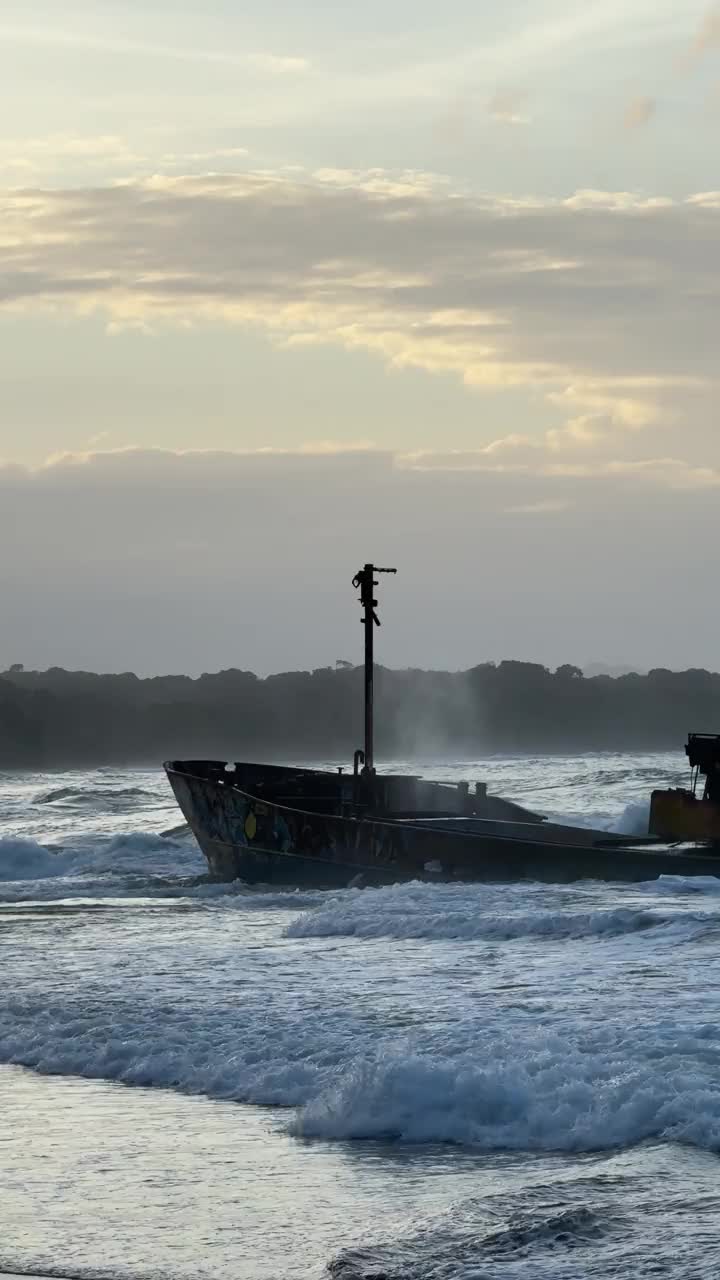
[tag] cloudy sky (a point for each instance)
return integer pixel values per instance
(285, 287)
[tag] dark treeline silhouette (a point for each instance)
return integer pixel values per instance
(57, 718)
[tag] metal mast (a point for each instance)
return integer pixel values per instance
(365, 580)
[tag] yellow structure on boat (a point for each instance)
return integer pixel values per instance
(681, 814)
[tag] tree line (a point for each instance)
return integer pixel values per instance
(57, 718)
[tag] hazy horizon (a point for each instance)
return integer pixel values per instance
(589, 670)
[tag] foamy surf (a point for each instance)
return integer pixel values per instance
(131, 853)
(525, 1089)
(462, 913)
(535, 1066)
(27, 860)
(101, 797)
(547, 1096)
(632, 819)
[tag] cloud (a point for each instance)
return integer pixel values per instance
(588, 430)
(534, 459)
(663, 473)
(639, 112)
(515, 455)
(603, 304)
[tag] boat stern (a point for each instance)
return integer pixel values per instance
(680, 815)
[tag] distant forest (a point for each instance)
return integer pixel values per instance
(62, 718)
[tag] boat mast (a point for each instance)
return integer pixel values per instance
(365, 579)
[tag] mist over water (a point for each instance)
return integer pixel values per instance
(415, 1081)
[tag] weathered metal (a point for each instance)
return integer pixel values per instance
(250, 829)
(366, 581)
(680, 813)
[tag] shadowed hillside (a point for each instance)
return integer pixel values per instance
(61, 718)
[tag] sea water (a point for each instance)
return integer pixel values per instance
(417, 1082)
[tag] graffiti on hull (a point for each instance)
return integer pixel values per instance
(228, 816)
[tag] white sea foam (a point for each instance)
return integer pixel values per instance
(133, 853)
(682, 885)
(634, 819)
(547, 1095)
(555, 1041)
(127, 967)
(532, 1091)
(100, 797)
(140, 853)
(131, 867)
(631, 820)
(453, 912)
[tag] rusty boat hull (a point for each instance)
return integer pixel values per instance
(269, 825)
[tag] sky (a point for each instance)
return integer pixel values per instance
(288, 287)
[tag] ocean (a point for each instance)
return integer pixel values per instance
(419, 1082)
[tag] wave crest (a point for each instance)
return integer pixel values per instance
(22, 859)
(455, 913)
(551, 1097)
(99, 796)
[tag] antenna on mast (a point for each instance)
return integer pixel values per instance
(366, 582)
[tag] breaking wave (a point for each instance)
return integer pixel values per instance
(535, 1090)
(456, 913)
(136, 865)
(409, 1043)
(550, 1096)
(681, 885)
(102, 797)
(132, 853)
(632, 820)
(26, 860)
